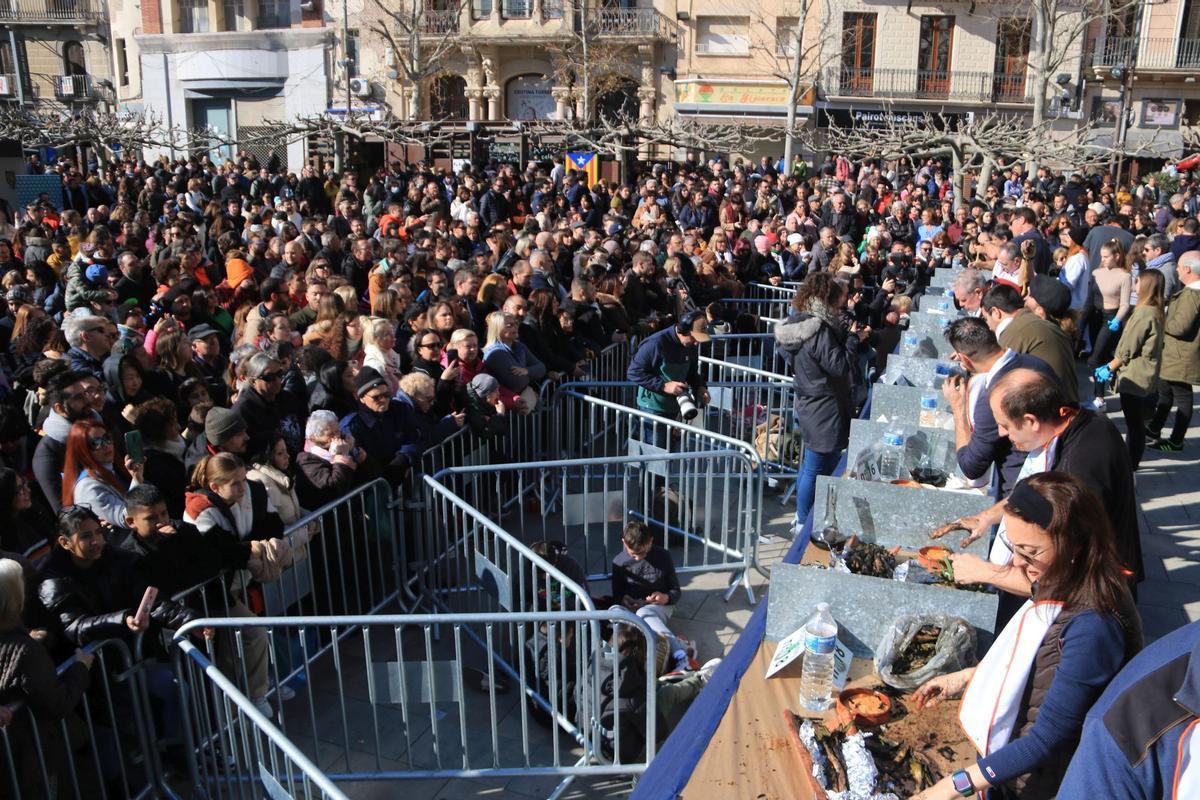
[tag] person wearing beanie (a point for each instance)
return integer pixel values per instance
(380, 427)
(224, 432)
(485, 409)
(1076, 271)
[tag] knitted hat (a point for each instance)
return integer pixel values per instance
(237, 270)
(1051, 294)
(97, 273)
(483, 385)
(1078, 234)
(366, 380)
(222, 424)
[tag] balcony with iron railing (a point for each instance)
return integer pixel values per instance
(74, 88)
(630, 23)
(49, 12)
(439, 23)
(958, 86)
(1150, 53)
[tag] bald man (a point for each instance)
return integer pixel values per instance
(1035, 414)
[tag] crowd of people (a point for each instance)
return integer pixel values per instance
(192, 355)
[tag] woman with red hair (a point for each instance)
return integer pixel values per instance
(88, 476)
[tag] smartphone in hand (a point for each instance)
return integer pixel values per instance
(133, 446)
(143, 612)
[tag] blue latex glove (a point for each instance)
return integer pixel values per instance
(1114, 324)
(1103, 374)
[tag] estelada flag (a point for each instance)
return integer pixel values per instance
(588, 164)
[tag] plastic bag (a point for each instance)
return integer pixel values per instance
(954, 650)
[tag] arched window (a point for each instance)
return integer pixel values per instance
(449, 98)
(618, 100)
(73, 62)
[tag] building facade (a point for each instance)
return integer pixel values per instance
(55, 52)
(232, 66)
(1144, 68)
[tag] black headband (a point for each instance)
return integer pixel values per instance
(1026, 503)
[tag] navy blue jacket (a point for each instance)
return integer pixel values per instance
(1131, 737)
(987, 446)
(823, 357)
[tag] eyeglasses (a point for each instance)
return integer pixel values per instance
(433, 345)
(99, 442)
(1030, 555)
(270, 376)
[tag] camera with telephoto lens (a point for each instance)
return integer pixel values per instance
(687, 406)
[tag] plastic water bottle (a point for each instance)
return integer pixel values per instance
(816, 677)
(909, 344)
(891, 460)
(940, 373)
(929, 406)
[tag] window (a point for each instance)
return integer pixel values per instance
(122, 63)
(933, 56)
(193, 16)
(858, 54)
(233, 13)
(274, 14)
(481, 9)
(353, 48)
(1012, 59)
(785, 36)
(73, 63)
(449, 98)
(722, 36)
(516, 9)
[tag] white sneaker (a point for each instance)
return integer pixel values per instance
(263, 707)
(1098, 404)
(285, 693)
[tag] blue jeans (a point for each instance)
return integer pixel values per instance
(814, 464)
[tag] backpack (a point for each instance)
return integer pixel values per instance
(775, 445)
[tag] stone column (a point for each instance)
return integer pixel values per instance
(410, 103)
(562, 96)
(474, 103)
(646, 96)
(492, 93)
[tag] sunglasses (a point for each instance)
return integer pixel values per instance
(431, 345)
(99, 442)
(378, 397)
(270, 376)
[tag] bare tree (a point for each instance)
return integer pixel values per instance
(421, 35)
(623, 133)
(1057, 31)
(986, 140)
(780, 51)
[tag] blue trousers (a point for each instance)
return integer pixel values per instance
(814, 464)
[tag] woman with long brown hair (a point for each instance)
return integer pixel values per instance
(1113, 279)
(824, 359)
(1136, 361)
(1023, 707)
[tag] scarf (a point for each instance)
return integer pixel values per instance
(993, 698)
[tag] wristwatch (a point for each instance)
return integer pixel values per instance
(962, 783)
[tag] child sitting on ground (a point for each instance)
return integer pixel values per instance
(644, 581)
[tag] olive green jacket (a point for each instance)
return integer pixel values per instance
(1140, 351)
(1181, 344)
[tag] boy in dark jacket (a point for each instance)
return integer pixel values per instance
(644, 581)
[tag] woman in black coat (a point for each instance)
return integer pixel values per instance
(824, 356)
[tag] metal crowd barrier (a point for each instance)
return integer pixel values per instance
(703, 506)
(765, 291)
(236, 751)
(405, 703)
(466, 563)
(102, 748)
(757, 407)
(755, 350)
(590, 427)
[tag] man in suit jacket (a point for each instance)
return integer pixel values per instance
(977, 438)
(1021, 330)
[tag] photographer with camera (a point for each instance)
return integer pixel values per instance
(666, 368)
